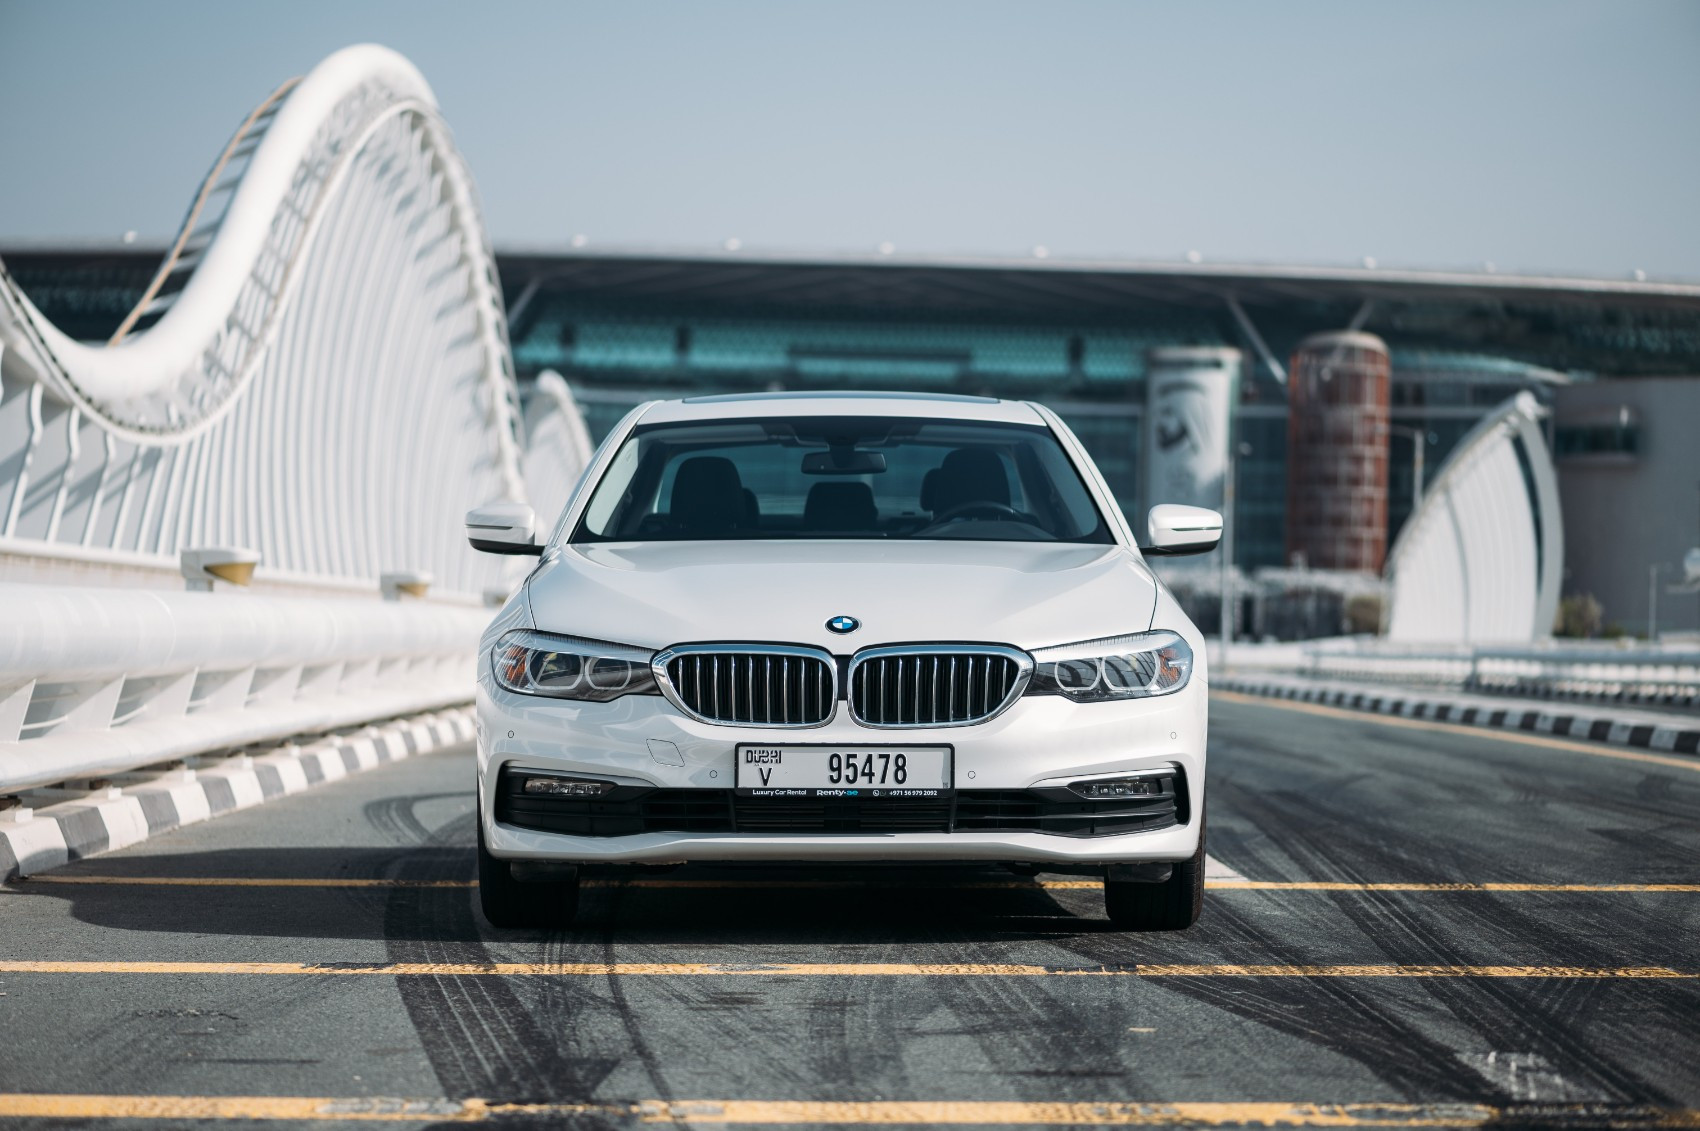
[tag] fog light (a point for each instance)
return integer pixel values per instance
(1117, 787)
(567, 787)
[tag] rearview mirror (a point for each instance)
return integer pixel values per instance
(503, 528)
(1173, 530)
(844, 461)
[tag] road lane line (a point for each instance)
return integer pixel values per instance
(1214, 869)
(1211, 1114)
(1525, 738)
(842, 970)
(26, 1105)
(241, 881)
(1330, 885)
(854, 1113)
(1220, 884)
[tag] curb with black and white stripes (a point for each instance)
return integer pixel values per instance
(1596, 726)
(128, 808)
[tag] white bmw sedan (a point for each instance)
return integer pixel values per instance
(842, 627)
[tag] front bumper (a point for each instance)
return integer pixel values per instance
(1169, 845)
(1040, 742)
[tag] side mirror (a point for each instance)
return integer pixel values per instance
(1173, 530)
(503, 528)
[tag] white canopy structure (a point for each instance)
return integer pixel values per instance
(318, 379)
(1482, 559)
(557, 446)
(320, 370)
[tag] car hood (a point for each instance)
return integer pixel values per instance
(654, 594)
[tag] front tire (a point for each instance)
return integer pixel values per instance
(1172, 905)
(508, 903)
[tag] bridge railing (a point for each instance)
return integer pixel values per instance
(1639, 673)
(100, 681)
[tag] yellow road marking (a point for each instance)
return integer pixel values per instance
(76, 1106)
(1525, 737)
(1393, 971)
(960, 1113)
(838, 969)
(882, 1112)
(870, 885)
(1330, 885)
(244, 881)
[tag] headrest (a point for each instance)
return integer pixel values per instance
(929, 489)
(708, 496)
(840, 506)
(967, 475)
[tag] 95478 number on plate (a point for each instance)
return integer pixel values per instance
(844, 771)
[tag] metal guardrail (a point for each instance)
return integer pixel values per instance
(1652, 675)
(100, 681)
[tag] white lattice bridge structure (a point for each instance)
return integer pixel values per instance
(311, 394)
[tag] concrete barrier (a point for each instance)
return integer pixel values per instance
(100, 681)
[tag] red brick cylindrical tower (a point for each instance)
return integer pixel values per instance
(1337, 442)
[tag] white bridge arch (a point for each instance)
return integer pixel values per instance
(320, 371)
(1482, 559)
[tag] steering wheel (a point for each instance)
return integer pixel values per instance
(962, 510)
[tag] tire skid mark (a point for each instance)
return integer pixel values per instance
(1662, 840)
(1534, 815)
(735, 1019)
(1352, 831)
(1504, 1019)
(1490, 1011)
(1652, 799)
(879, 1016)
(398, 819)
(1051, 1037)
(629, 1020)
(1352, 1021)
(478, 1033)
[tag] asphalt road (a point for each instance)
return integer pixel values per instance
(1343, 970)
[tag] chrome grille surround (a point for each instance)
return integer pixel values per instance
(750, 685)
(910, 686)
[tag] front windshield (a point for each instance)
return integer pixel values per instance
(841, 477)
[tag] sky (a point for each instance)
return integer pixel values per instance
(1558, 136)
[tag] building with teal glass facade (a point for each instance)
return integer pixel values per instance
(622, 327)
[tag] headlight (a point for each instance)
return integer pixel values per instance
(1117, 667)
(564, 667)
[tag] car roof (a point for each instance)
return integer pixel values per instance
(947, 406)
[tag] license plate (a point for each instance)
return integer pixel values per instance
(844, 771)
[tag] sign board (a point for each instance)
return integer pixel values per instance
(1189, 398)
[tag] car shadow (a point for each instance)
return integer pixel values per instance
(427, 893)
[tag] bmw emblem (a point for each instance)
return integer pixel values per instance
(843, 625)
